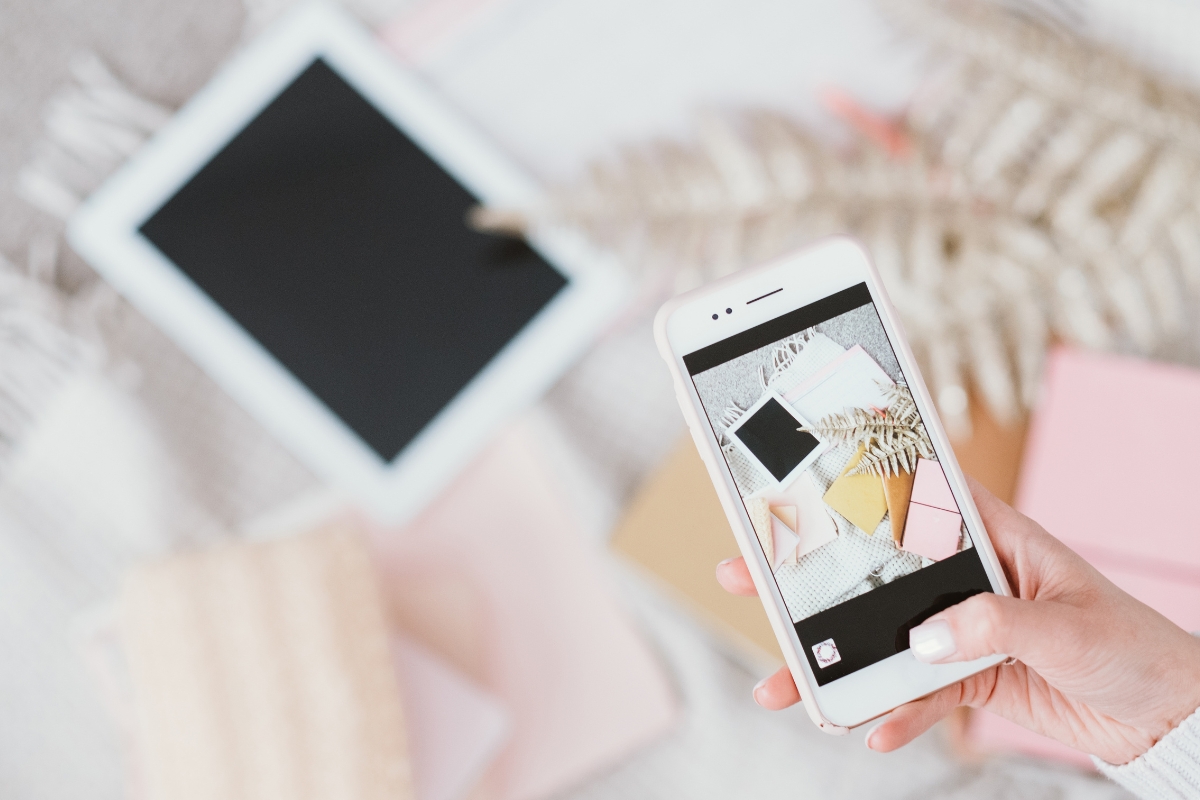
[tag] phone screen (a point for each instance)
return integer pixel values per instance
(840, 479)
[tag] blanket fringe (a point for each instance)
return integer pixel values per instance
(92, 125)
(39, 355)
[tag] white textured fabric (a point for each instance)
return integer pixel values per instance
(1168, 771)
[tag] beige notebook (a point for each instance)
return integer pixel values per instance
(264, 671)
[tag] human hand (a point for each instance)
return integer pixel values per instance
(1097, 670)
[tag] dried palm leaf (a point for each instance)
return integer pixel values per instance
(1040, 188)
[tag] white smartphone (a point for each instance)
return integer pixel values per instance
(844, 495)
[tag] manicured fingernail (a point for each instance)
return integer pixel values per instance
(756, 689)
(723, 563)
(871, 733)
(932, 642)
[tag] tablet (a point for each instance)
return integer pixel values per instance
(299, 229)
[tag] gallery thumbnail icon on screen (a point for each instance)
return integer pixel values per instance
(827, 653)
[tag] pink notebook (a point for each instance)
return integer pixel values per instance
(455, 728)
(1109, 468)
(503, 560)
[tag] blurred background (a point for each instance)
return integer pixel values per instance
(1024, 174)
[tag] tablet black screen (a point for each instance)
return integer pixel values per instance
(343, 249)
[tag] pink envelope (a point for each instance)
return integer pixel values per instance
(931, 532)
(814, 527)
(783, 538)
(930, 487)
(455, 728)
(581, 688)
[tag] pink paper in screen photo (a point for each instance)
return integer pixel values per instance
(933, 527)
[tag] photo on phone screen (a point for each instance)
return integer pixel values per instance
(839, 477)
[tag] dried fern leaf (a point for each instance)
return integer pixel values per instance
(893, 439)
(1047, 193)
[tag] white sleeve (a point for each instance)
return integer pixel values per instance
(1168, 771)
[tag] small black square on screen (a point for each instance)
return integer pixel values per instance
(772, 435)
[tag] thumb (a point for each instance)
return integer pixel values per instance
(988, 624)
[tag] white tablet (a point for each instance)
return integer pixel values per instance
(299, 229)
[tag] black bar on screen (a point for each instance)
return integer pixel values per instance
(779, 328)
(875, 625)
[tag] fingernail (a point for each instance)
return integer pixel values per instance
(871, 732)
(723, 563)
(932, 642)
(757, 686)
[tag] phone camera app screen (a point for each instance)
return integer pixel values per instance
(839, 478)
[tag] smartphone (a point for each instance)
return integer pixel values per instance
(843, 493)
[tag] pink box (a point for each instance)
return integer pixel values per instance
(1109, 469)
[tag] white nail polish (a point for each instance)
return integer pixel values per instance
(757, 686)
(932, 642)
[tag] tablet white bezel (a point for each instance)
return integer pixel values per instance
(105, 232)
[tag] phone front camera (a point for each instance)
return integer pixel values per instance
(715, 316)
(729, 311)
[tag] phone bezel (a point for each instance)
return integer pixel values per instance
(685, 325)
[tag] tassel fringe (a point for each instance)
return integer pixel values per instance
(92, 126)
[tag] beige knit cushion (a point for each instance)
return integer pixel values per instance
(262, 671)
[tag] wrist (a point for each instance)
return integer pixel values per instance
(1130, 745)
(1171, 769)
(1186, 700)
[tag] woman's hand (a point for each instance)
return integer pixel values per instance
(1096, 670)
